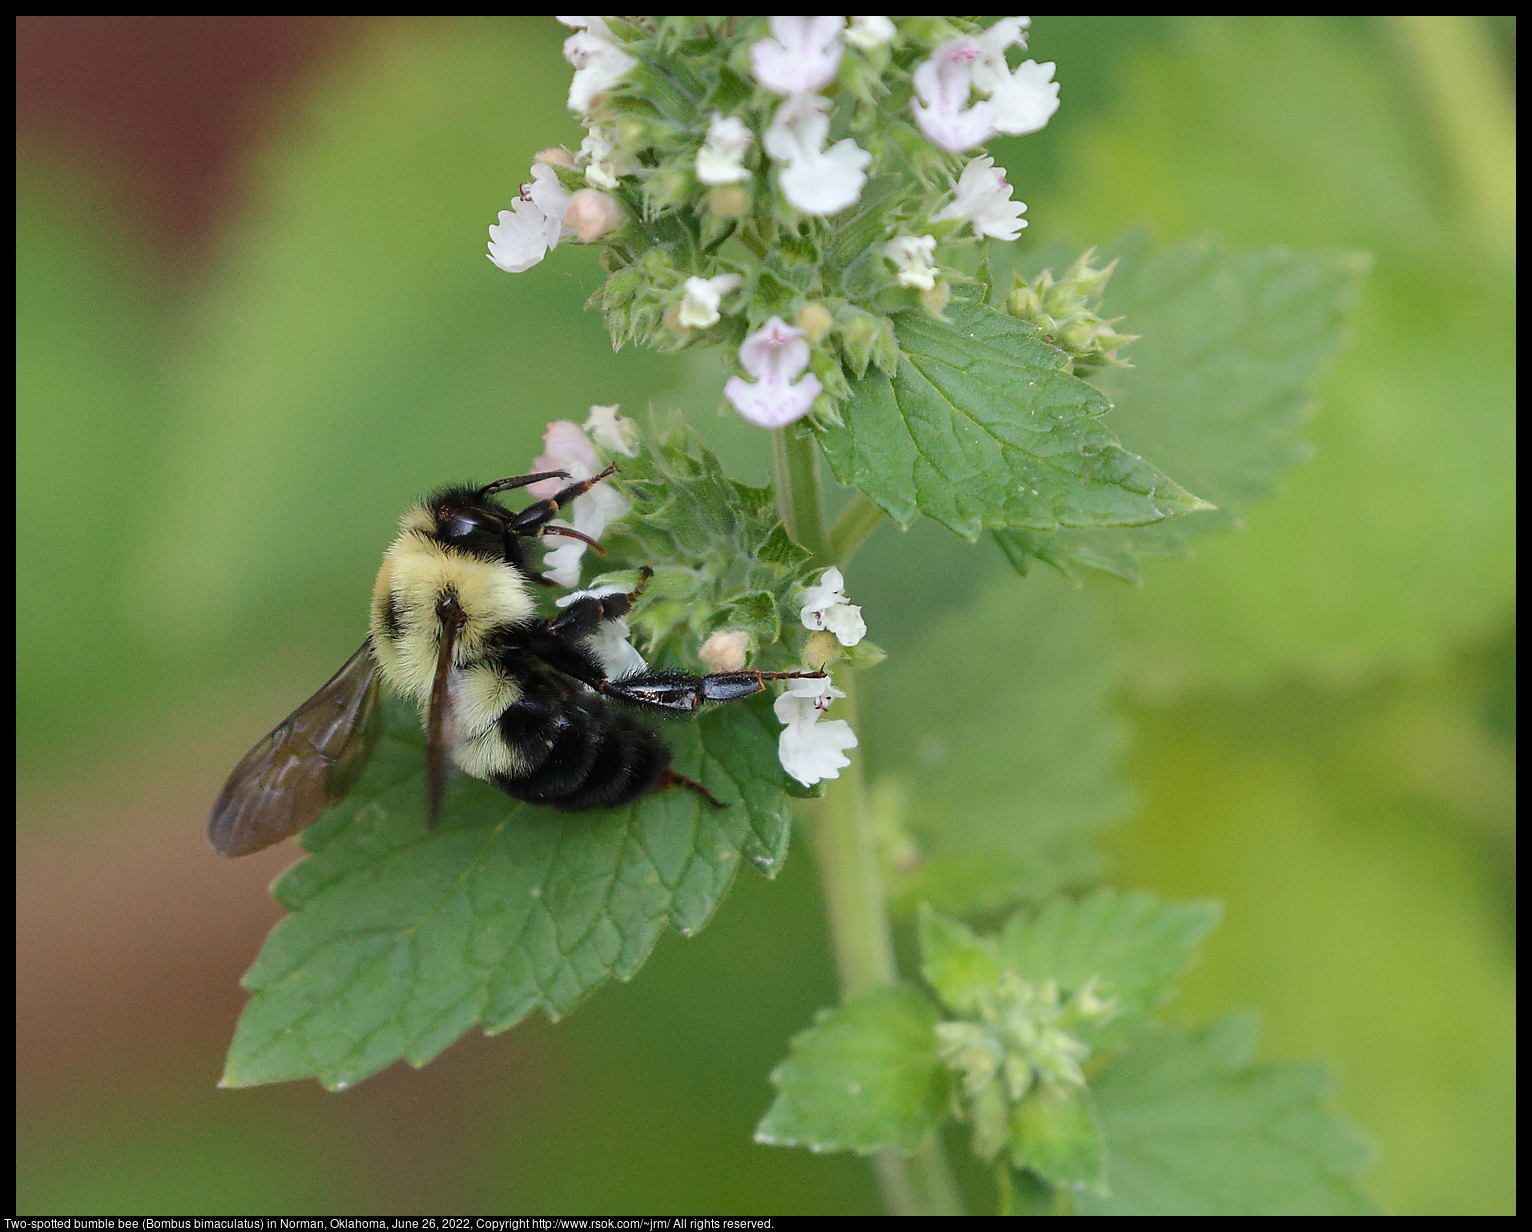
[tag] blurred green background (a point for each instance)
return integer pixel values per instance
(254, 320)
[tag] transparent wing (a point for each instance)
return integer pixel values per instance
(304, 766)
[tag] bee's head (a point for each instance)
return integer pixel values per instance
(469, 520)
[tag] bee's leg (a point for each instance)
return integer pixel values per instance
(672, 779)
(533, 518)
(581, 617)
(678, 693)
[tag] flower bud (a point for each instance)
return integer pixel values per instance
(821, 649)
(593, 214)
(726, 651)
(935, 300)
(866, 338)
(554, 156)
(667, 186)
(815, 321)
(729, 200)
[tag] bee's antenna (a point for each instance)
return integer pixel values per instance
(519, 481)
(570, 533)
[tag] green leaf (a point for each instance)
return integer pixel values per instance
(1192, 1128)
(983, 427)
(1055, 1133)
(1397, 542)
(725, 559)
(956, 961)
(1231, 346)
(865, 1076)
(402, 938)
(1132, 943)
(1011, 692)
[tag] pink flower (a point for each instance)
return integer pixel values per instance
(942, 86)
(775, 355)
(566, 448)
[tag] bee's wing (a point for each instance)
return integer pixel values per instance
(303, 767)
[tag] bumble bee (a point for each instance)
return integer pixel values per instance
(510, 697)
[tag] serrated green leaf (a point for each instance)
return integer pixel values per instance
(1001, 710)
(958, 963)
(1231, 346)
(725, 559)
(401, 938)
(1132, 943)
(1414, 468)
(1192, 1128)
(982, 427)
(864, 1077)
(1055, 1133)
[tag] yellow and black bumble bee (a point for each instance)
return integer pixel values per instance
(518, 700)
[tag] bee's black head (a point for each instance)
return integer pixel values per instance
(469, 520)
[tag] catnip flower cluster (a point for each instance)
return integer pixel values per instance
(781, 187)
(1019, 1037)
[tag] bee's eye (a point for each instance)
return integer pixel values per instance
(462, 525)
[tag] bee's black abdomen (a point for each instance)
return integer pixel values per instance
(580, 752)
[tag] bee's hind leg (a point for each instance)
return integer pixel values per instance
(672, 779)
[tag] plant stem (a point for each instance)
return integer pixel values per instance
(920, 1184)
(857, 520)
(1475, 113)
(795, 465)
(853, 890)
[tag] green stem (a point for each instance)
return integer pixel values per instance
(857, 520)
(795, 465)
(853, 889)
(1475, 116)
(920, 1184)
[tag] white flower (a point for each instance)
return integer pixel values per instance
(1007, 32)
(613, 432)
(912, 258)
(802, 56)
(775, 354)
(604, 161)
(942, 86)
(616, 654)
(983, 198)
(598, 61)
(533, 225)
(867, 33)
(699, 306)
(609, 643)
(567, 448)
(811, 750)
(718, 161)
(1025, 100)
(825, 607)
(726, 650)
(815, 180)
